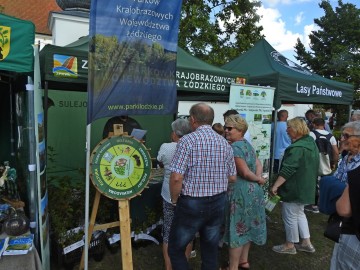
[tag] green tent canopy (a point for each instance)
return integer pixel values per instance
(78, 51)
(194, 76)
(16, 40)
(197, 76)
(293, 83)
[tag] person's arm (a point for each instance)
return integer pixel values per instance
(175, 186)
(335, 156)
(343, 206)
(279, 181)
(244, 171)
(259, 167)
(232, 178)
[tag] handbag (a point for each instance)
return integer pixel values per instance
(333, 227)
(324, 164)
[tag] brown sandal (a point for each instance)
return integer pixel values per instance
(242, 267)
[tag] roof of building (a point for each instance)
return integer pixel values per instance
(36, 11)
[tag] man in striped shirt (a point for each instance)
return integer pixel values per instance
(202, 166)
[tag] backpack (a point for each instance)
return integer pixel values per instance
(325, 153)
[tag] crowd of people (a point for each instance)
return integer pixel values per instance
(213, 187)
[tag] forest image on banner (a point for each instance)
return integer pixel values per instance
(132, 58)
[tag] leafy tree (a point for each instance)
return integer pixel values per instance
(217, 31)
(335, 47)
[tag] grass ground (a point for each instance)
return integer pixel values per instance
(149, 257)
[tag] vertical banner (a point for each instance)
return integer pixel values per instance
(132, 57)
(255, 104)
(41, 165)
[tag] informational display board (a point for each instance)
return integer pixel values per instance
(120, 167)
(255, 104)
(41, 165)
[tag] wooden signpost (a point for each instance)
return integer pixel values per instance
(120, 170)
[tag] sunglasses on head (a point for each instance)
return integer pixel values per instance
(347, 136)
(228, 128)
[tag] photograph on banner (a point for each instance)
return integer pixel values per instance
(255, 104)
(133, 47)
(43, 215)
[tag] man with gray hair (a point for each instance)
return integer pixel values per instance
(202, 166)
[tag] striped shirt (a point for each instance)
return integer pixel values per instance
(206, 160)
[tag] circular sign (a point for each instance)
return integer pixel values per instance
(120, 167)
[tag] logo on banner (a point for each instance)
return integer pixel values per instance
(65, 66)
(4, 41)
(282, 60)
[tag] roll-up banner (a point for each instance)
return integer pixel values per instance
(132, 57)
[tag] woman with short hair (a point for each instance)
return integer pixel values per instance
(180, 127)
(296, 186)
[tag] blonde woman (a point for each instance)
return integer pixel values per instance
(296, 186)
(245, 220)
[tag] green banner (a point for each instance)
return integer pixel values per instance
(16, 40)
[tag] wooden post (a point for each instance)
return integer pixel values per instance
(92, 224)
(125, 234)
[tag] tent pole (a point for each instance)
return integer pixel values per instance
(350, 109)
(87, 187)
(12, 139)
(32, 177)
(45, 104)
(273, 145)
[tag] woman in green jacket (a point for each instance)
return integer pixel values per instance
(296, 186)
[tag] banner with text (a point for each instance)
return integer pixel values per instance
(41, 165)
(132, 58)
(254, 103)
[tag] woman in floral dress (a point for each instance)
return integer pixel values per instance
(245, 220)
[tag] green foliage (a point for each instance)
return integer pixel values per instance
(137, 58)
(67, 202)
(217, 31)
(335, 46)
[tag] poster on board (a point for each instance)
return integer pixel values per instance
(255, 104)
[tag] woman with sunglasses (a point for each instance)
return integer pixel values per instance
(296, 187)
(332, 186)
(346, 253)
(352, 159)
(245, 219)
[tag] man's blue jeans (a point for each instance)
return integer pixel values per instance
(197, 214)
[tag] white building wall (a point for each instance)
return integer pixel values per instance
(221, 107)
(67, 29)
(296, 109)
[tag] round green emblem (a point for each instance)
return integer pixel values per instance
(120, 167)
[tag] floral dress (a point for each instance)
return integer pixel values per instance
(245, 219)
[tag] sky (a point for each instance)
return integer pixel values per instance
(286, 20)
